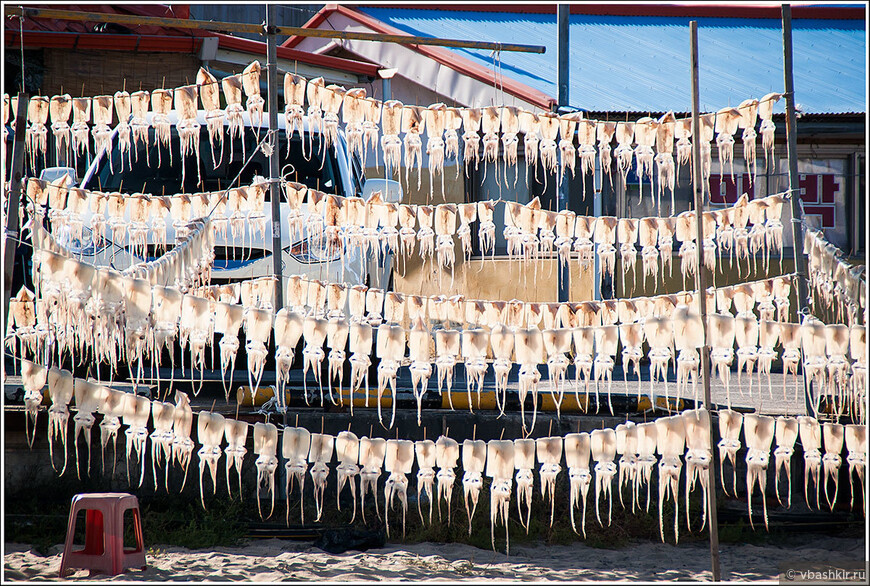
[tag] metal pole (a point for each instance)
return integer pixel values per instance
(700, 282)
(184, 23)
(274, 172)
(10, 241)
(800, 267)
(562, 13)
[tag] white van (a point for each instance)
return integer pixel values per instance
(330, 170)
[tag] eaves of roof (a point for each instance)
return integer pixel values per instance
(438, 54)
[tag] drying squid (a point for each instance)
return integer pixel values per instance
(631, 336)
(660, 335)
(421, 369)
(22, 316)
(60, 387)
(314, 333)
(473, 461)
(624, 151)
(486, 230)
(210, 432)
(699, 455)
(258, 330)
(586, 152)
(688, 337)
(288, 329)
(490, 123)
(813, 344)
(36, 138)
(510, 127)
(236, 433)
(603, 447)
(426, 235)
(436, 120)
(353, 113)
(295, 446)
(564, 231)
(467, 215)
(347, 452)
(671, 440)
(605, 237)
(757, 209)
(530, 126)
(606, 339)
(746, 334)
(833, 434)
(445, 228)
(549, 452)
(557, 343)
(294, 111)
(649, 254)
(626, 447)
(683, 134)
(567, 130)
(647, 443)
(785, 434)
(266, 449)
(60, 109)
(372, 109)
(188, 127)
(727, 122)
(447, 349)
(773, 226)
(135, 411)
(112, 409)
(391, 144)
(730, 423)
(645, 130)
(139, 125)
(748, 117)
(332, 98)
(102, 131)
(666, 228)
(123, 108)
(232, 86)
(474, 346)
(320, 456)
(209, 94)
(182, 423)
(228, 320)
(524, 463)
(196, 326)
(500, 455)
(626, 234)
(584, 339)
(577, 451)
(251, 85)
(315, 91)
(705, 138)
(858, 353)
(768, 128)
(856, 445)
(391, 350)
(426, 460)
(811, 440)
(758, 431)
(413, 125)
(665, 157)
(790, 336)
(446, 458)
(398, 461)
(89, 396)
(360, 349)
(337, 332)
(549, 125)
(372, 452)
(79, 129)
(686, 233)
(583, 230)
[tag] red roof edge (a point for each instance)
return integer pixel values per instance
(104, 42)
(736, 10)
(439, 54)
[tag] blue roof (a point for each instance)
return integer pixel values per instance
(640, 64)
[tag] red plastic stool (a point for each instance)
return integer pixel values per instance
(104, 551)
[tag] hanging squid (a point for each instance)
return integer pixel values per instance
(645, 130)
(347, 452)
(567, 130)
(699, 456)
(447, 349)
(768, 128)
(60, 387)
(315, 91)
(372, 452)
(79, 129)
(746, 334)
(549, 124)
(102, 131)
(426, 460)
(188, 127)
(811, 440)
(210, 431)
(236, 433)
(584, 230)
(196, 328)
(626, 234)
(577, 451)
(398, 461)
(333, 96)
(856, 445)
(391, 144)
(727, 121)
(605, 238)
(833, 434)
(557, 344)
(36, 137)
(707, 125)
(413, 125)
(288, 329)
(295, 446)
(112, 409)
(584, 340)
(314, 333)
(603, 447)
(586, 150)
(266, 448)
(337, 332)
(606, 339)
(474, 346)
(436, 120)
(232, 86)
(445, 228)
(549, 452)
(748, 118)
(524, 463)
(530, 126)
(785, 434)
(139, 102)
(251, 85)
(123, 108)
(161, 105)
(631, 336)
(421, 369)
(624, 151)
(730, 423)
(647, 442)
(294, 111)
(89, 396)
(135, 411)
(500, 457)
(473, 461)
(664, 158)
(209, 94)
(161, 438)
(768, 336)
(758, 431)
(671, 440)
(60, 109)
(372, 109)
(686, 233)
(353, 114)
(390, 350)
(228, 320)
(360, 348)
(182, 444)
(467, 215)
(660, 335)
(688, 338)
(320, 456)
(446, 458)
(258, 329)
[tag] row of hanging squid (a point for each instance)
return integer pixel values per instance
(685, 435)
(837, 285)
(547, 136)
(140, 219)
(334, 314)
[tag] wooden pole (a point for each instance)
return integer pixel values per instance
(700, 278)
(237, 27)
(13, 234)
(563, 74)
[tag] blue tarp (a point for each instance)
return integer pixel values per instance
(639, 64)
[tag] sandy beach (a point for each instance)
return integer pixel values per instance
(274, 560)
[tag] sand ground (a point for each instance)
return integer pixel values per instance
(273, 560)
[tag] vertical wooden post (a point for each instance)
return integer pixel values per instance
(700, 283)
(13, 235)
(562, 13)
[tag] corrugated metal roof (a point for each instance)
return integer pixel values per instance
(640, 64)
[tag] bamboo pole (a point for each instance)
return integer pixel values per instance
(13, 234)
